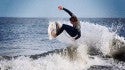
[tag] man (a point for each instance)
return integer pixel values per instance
(74, 31)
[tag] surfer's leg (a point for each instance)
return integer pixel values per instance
(70, 30)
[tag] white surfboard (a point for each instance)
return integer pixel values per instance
(52, 29)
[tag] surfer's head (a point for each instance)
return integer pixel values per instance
(73, 20)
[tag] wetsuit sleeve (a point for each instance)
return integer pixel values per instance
(69, 12)
(79, 35)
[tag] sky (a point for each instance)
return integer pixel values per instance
(49, 8)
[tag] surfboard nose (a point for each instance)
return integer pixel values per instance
(52, 30)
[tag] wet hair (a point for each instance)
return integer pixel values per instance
(73, 19)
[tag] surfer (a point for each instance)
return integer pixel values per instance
(74, 31)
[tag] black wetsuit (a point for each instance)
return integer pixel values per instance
(72, 31)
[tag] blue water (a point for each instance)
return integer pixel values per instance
(24, 36)
(27, 36)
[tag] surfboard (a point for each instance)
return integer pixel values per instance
(52, 29)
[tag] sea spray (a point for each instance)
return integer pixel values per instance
(92, 35)
(53, 61)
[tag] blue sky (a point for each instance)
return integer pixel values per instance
(48, 8)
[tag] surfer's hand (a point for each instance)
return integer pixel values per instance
(60, 7)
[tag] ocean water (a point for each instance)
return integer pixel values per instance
(24, 45)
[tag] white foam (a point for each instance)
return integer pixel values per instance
(51, 62)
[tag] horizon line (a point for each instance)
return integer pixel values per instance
(60, 17)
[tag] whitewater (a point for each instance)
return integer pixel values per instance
(96, 49)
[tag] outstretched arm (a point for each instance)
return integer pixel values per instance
(69, 12)
(66, 10)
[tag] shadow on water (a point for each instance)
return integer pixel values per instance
(117, 52)
(36, 56)
(69, 51)
(120, 56)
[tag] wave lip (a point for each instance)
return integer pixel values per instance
(104, 40)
